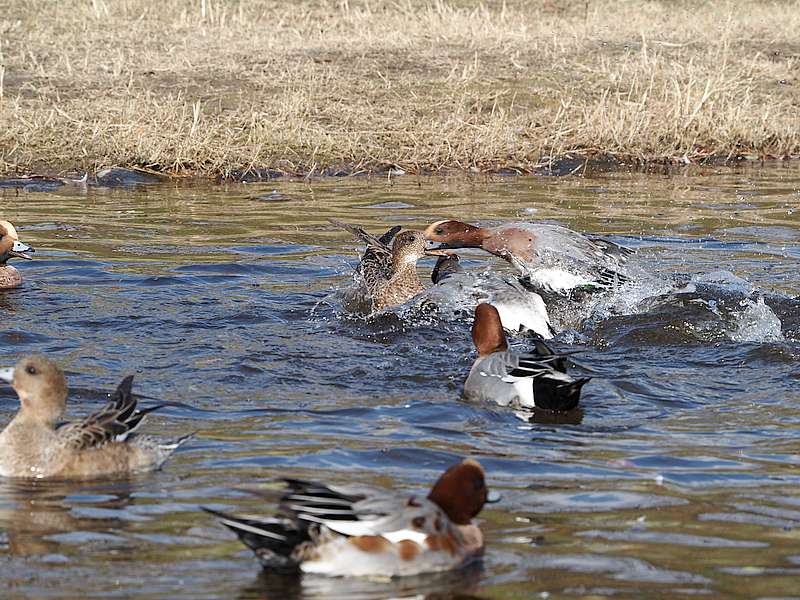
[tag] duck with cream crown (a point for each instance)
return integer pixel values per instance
(11, 247)
(550, 257)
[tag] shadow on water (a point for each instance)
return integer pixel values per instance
(677, 477)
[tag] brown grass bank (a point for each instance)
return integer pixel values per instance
(213, 86)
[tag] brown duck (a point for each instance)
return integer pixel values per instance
(387, 274)
(35, 444)
(10, 247)
(549, 256)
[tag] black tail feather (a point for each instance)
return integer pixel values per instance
(271, 539)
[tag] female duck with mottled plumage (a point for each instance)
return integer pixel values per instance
(11, 247)
(35, 444)
(387, 273)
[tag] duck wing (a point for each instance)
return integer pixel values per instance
(376, 262)
(560, 248)
(112, 423)
(369, 239)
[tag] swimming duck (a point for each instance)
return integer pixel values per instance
(35, 445)
(520, 380)
(550, 256)
(361, 532)
(520, 308)
(387, 274)
(10, 247)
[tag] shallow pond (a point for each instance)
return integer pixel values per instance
(682, 478)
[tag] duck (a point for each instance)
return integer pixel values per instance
(37, 445)
(11, 247)
(387, 273)
(353, 531)
(522, 381)
(550, 257)
(521, 309)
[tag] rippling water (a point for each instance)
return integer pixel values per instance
(681, 479)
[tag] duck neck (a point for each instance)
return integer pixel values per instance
(45, 413)
(403, 266)
(473, 237)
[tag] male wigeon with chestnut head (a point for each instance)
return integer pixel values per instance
(521, 309)
(387, 274)
(11, 247)
(36, 444)
(362, 532)
(520, 380)
(553, 257)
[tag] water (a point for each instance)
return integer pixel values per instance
(681, 479)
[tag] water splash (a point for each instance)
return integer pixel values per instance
(756, 323)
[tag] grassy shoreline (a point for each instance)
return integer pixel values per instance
(211, 88)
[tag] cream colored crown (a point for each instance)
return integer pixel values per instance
(10, 231)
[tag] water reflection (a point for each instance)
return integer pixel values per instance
(225, 305)
(39, 516)
(461, 584)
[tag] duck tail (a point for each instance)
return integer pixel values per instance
(273, 540)
(159, 450)
(173, 445)
(558, 396)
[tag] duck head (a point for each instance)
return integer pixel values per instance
(409, 247)
(461, 491)
(447, 265)
(10, 246)
(454, 234)
(40, 385)
(487, 330)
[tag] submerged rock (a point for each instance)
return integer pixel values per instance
(118, 177)
(32, 184)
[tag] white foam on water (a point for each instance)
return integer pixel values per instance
(756, 323)
(726, 279)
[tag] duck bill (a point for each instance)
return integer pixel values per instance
(435, 246)
(430, 252)
(19, 250)
(7, 374)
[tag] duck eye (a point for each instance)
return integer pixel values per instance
(418, 522)
(30, 370)
(438, 231)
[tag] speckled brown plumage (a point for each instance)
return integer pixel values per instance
(387, 275)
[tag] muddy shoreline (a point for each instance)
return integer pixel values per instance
(51, 179)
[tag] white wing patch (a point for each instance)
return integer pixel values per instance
(406, 534)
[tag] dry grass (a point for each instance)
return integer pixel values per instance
(212, 86)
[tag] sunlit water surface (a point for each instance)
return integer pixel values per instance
(683, 477)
